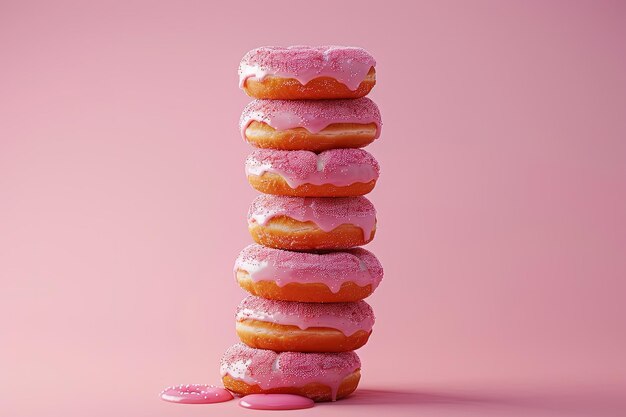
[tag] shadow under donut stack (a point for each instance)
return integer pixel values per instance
(306, 274)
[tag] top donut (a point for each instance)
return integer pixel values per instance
(307, 72)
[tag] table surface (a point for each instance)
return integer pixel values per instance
(520, 402)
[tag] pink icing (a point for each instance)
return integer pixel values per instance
(196, 394)
(348, 318)
(269, 369)
(276, 402)
(313, 115)
(332, 269)
(326, 213)
(339, 167)
(348, 65)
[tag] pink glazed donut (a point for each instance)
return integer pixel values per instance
(331, 277)
(319, 376)
(307, 72)
(311, 223)
(312, 125)
(287, 326)
(332, 173)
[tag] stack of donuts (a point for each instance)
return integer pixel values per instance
(306, 274)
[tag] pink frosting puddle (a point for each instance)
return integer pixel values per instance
(196, 394)
(276, 402)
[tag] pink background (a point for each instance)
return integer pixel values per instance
(502, 202)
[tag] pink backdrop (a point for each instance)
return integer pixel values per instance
(501, 204)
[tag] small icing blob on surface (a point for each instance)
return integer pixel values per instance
(346, 317)
(313, 115)
(333, 269)
(326, 213)
(196, 394)
(347, 64)
(276, 402)
(339, 167)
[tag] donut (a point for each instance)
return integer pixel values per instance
(332, 173)
(311, 125)
(318, 376)
(311, 223)
(331, 277)
(307, 72)
(284, 326)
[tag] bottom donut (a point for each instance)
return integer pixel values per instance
(319, 376)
